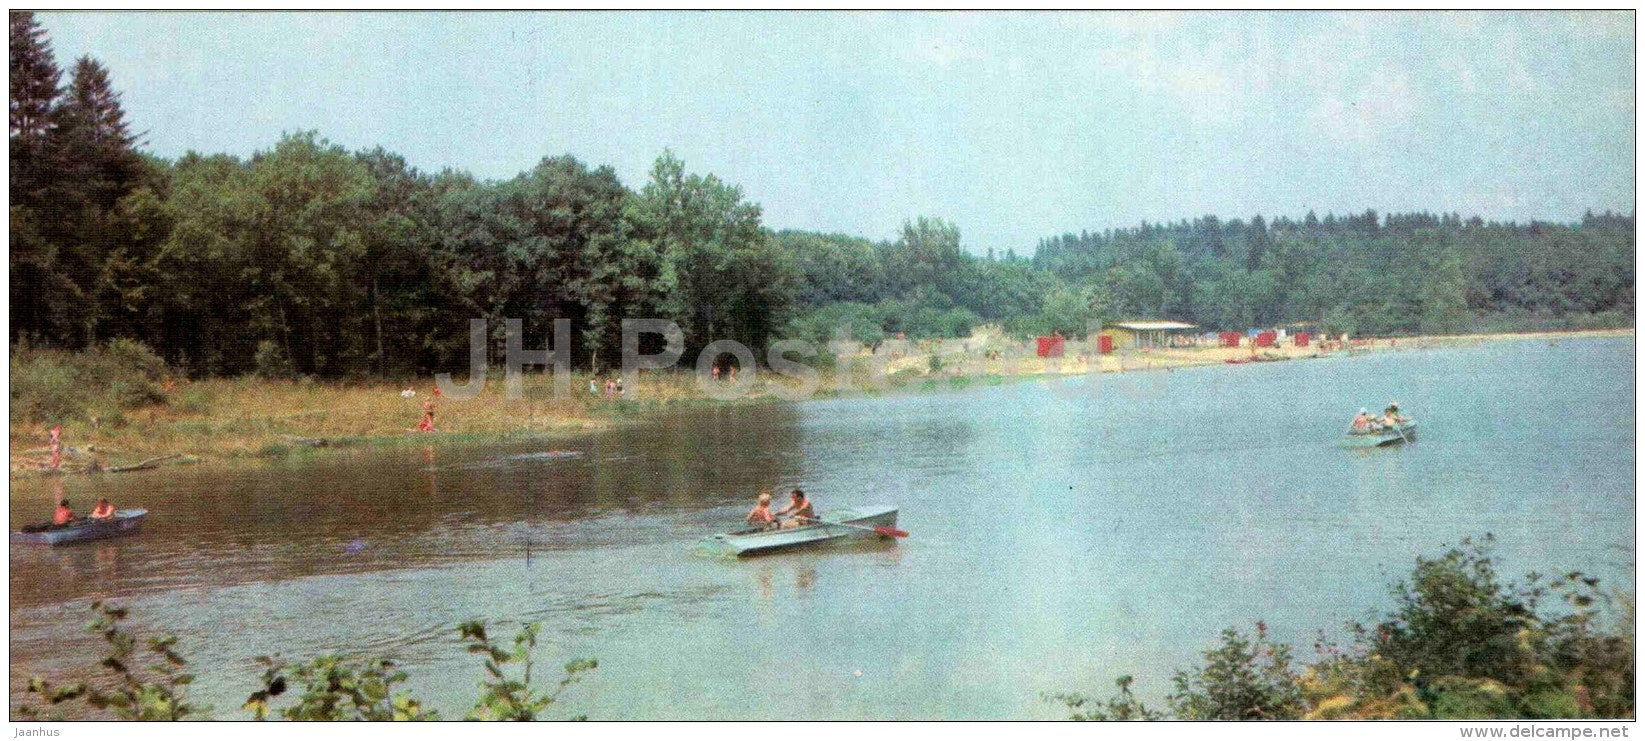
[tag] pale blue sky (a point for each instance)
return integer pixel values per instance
(1014, 126)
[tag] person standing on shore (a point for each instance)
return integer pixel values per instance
(56, 440)
(427, 425)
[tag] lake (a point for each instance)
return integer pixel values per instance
(1058, 539)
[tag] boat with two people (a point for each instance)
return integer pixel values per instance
(834, 526)
(103, 522)
(1391, 428)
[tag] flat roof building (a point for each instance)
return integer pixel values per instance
(1146, 333)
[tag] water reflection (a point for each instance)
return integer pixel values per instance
(374, 509)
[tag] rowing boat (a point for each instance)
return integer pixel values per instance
(1405, 433)
(124, 522)
(834, 526)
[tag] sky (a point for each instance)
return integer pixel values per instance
(1014, 126)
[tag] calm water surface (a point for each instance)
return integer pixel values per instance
(1058, 540)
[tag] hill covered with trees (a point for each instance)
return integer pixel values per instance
(310, 259)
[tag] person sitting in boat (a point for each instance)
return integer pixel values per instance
(800, 509)
(64, 514)
(761, 515)
(103, 511)
(1391, 416)
(1362, 422)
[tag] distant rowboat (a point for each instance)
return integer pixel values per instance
(124, 522)
(836, 525)
(1405, 433)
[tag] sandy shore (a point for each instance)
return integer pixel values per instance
(223, 419)
(1017, 359)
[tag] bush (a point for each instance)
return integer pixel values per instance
(510, 698)
(156, 692)
(1455, 617)
(333, 688)
(1123, 706)
(45, 388)
(1463, 643)
(336, 688)
(1460, 643)
(1243, 679)
(50, 386)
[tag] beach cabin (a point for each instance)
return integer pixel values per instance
(1150, 333)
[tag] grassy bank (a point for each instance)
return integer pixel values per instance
(120, 406)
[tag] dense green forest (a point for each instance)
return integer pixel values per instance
(310, 259)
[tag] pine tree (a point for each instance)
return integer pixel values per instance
(35, 79)
(96, 148)
(34, 92)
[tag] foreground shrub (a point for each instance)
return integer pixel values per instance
(1459, 643)
(1123, 706)
(508, 698)
(1243, 679)
(336, 688)
(132, 691)
(328, 688)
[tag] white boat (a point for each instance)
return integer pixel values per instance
(834, 525)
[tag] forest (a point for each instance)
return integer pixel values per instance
(309, 259)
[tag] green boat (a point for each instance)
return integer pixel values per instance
(1405, 433)
(836, 525)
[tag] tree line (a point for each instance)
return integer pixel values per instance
(310, 259)
(1388, 275)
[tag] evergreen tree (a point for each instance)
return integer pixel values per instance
(97, 148)
(35, 80)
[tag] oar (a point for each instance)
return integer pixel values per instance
(881, 529)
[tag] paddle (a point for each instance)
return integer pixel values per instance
(881, 529)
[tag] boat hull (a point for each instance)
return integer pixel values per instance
(834, 529)
(1407, 433)
(124, 522)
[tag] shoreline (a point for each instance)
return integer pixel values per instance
(218, 420)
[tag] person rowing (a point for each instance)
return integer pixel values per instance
(103, 511)
(1391, 416)
(800, 509)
